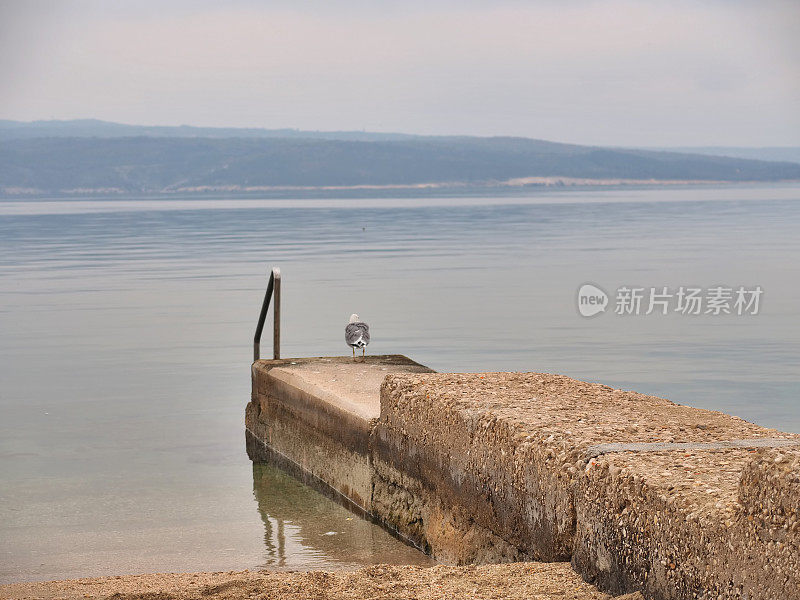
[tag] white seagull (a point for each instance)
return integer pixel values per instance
(356, 334)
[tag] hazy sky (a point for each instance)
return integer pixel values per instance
(618, 72)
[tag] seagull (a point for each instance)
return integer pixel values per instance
(356, 334)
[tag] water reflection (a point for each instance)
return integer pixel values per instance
(305, 530)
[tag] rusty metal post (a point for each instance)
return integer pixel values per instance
(273, 285)
(276, 312)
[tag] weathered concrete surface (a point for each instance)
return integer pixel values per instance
(674, 524)
(353, 387)
(769, 527)
(318, 414)
(512, 454)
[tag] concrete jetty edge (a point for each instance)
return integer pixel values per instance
(639, 493)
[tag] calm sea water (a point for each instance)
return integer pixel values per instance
(126, 327)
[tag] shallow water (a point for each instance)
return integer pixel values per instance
(126, 328)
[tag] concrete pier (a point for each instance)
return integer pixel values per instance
(639, 493)
(316, 417)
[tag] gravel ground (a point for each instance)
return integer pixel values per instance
(531, 581)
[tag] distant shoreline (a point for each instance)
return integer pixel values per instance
(519, 184)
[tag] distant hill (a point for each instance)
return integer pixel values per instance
(771, 153)
(34, 165)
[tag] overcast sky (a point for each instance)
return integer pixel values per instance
(615, 72)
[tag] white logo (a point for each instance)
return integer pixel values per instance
(591, 300)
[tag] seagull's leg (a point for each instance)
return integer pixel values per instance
(354, 354)
(364, 353)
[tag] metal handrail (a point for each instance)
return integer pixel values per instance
(273, 287)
